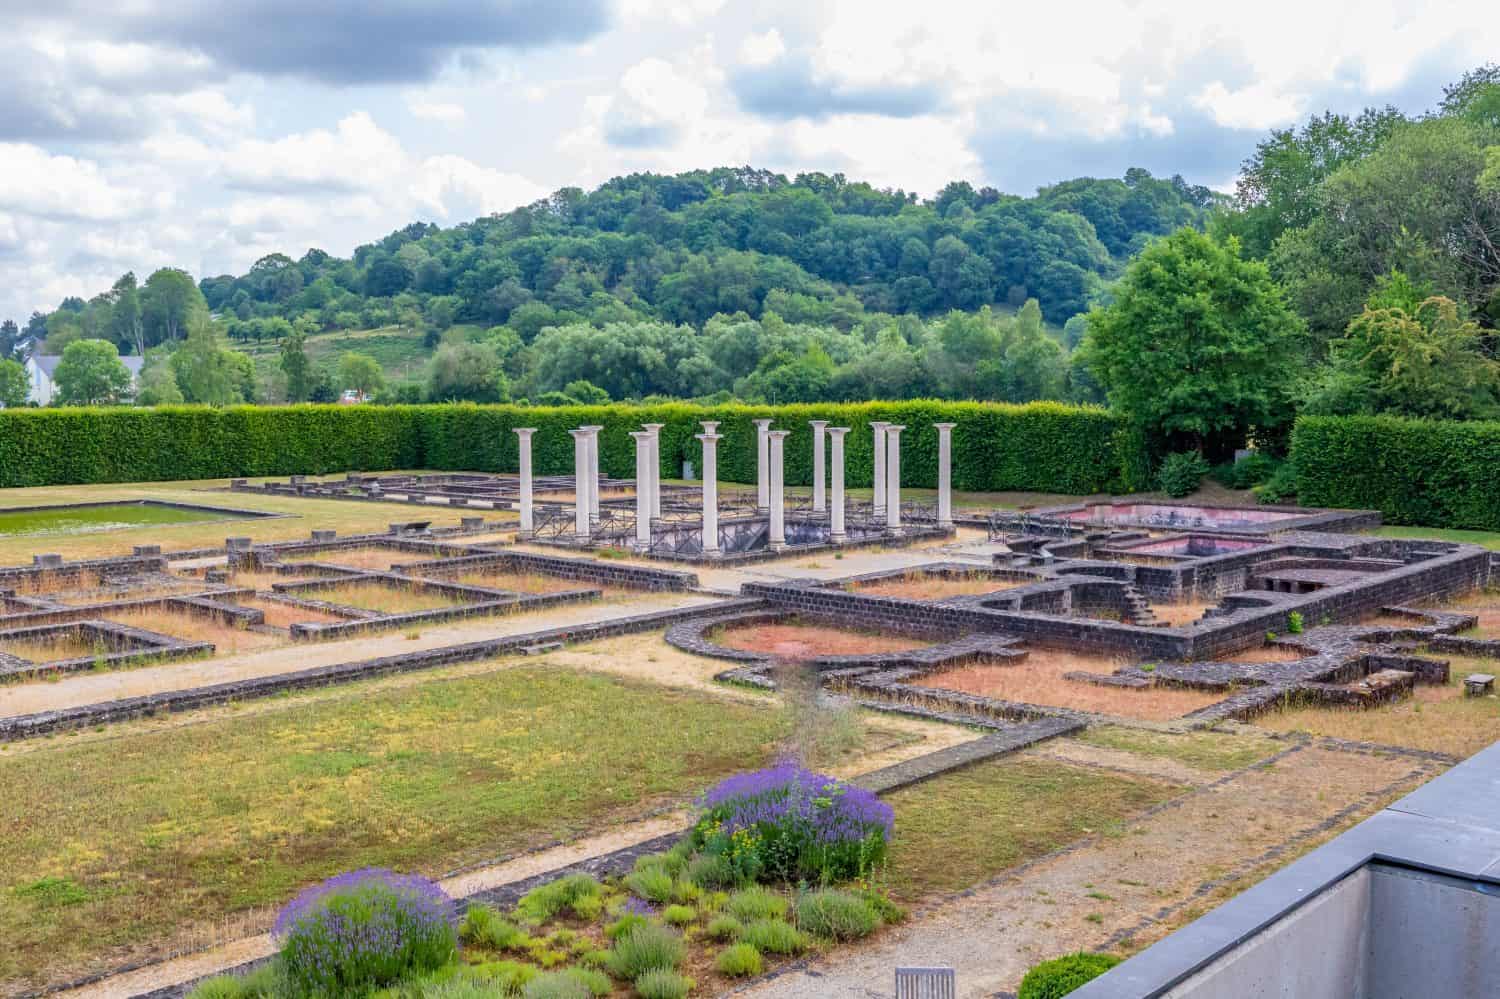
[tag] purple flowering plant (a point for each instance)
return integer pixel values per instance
(785, 823)
(364, 929)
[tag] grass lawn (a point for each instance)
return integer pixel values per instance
(117, 848)
(963, 828)
(1217, 752)
(1489, 539)
(1437, 718)
(300, 517)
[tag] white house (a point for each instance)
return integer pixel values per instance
(41, 367)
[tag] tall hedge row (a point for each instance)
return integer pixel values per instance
(1430, 473)
(1044, 447)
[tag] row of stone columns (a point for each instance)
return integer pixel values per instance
(770, 491)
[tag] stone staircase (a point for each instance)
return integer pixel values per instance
(1138, 610)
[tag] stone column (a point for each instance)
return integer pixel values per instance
(528, 522)
(819, 504)
(777, 451)
(593, 472)
(710, 426)
(653, 468)
(877, 427)
(945, 474)
(581, 523)
(893, 476)
(836, 484)
(763, 459)
(710, 489)
(642, 496)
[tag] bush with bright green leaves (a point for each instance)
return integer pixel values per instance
(836, 915)
(739, 960)
(578, 893)
(646, 948)
(773, 936)
(653, 884)
(265, 982)
(1281, 488)
(570, 983)
(1056, 978)
(1429, 473)
(1041, 447)
(712, 870)
(1250, 471)
(484, 926)
(1181, 473)
(663, 983)
(724, 928)
(679, 915)
(756, 903)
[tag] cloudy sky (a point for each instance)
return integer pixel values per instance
(140, 133)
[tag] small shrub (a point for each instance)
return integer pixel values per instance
(756, 903)
(836, 915)
(646, 948)
(483, 926)
(1181, 473)
(541, 904)
(570, 983)
(651, 883)
(712, 870)
(789, 824)
(772, 936)
(888, 911)
(1294, 623)
(679, 915)
(508, 977)
(364, 929)
(626, 923)
(739, 961)
(218, 987)
(663, 983)
(1056, 978)
(724, 928)
(1280, 488)
(1249, 471)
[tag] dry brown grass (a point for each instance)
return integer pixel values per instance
(280, 615)
(226, 638)
(936, 586)
(264, 580)
(372, 557)
(382, 598)
(49, 648)
(48, 584)
(1177, 615)
(532, 582)
(797, 640)
(1038, 679)
(83, 598)
(1437, 717)
(1485, 604)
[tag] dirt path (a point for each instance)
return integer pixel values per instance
(93, 688)
(1162, 871)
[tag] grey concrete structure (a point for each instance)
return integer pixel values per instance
(776, 537)
(893, 477)
(836, 487)
(819, 500)
(710, 441)
(1406, 905)
(653, 467)
(642, 440)
(877, 429)
(582, 523)
(762, 463)
(945, 474)
(593, 472)
(528, 515)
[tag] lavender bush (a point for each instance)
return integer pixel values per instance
(364, 929)
(785, 823)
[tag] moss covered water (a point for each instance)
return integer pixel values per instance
(101, 517)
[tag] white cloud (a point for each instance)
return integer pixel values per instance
(762, 49)
(447, 112)
(62, 188)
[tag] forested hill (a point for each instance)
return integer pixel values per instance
(685, 247)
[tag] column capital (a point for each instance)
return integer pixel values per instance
(641, 435)
(592, 428)
(838, 430)
(818, 423)
(879, 424)
(580, 433)
(710, 426)
(894, 428)
(763, 424)
(945, 426)
(523, 431)
(653, 427)
(778, 434)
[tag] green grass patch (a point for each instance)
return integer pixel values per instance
(1489, 539)
(963, 828)
(125, 843)
(1214, 751)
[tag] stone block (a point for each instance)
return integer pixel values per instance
(1478, 685)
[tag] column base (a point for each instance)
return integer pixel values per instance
(583, 540)
(838, 539)
(712, 553)
(525, 535)
(946, 525)
(777, 546)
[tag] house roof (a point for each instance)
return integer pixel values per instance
(48, 363)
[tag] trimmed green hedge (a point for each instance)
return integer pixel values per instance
(1423, 472)
(1042, 447)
